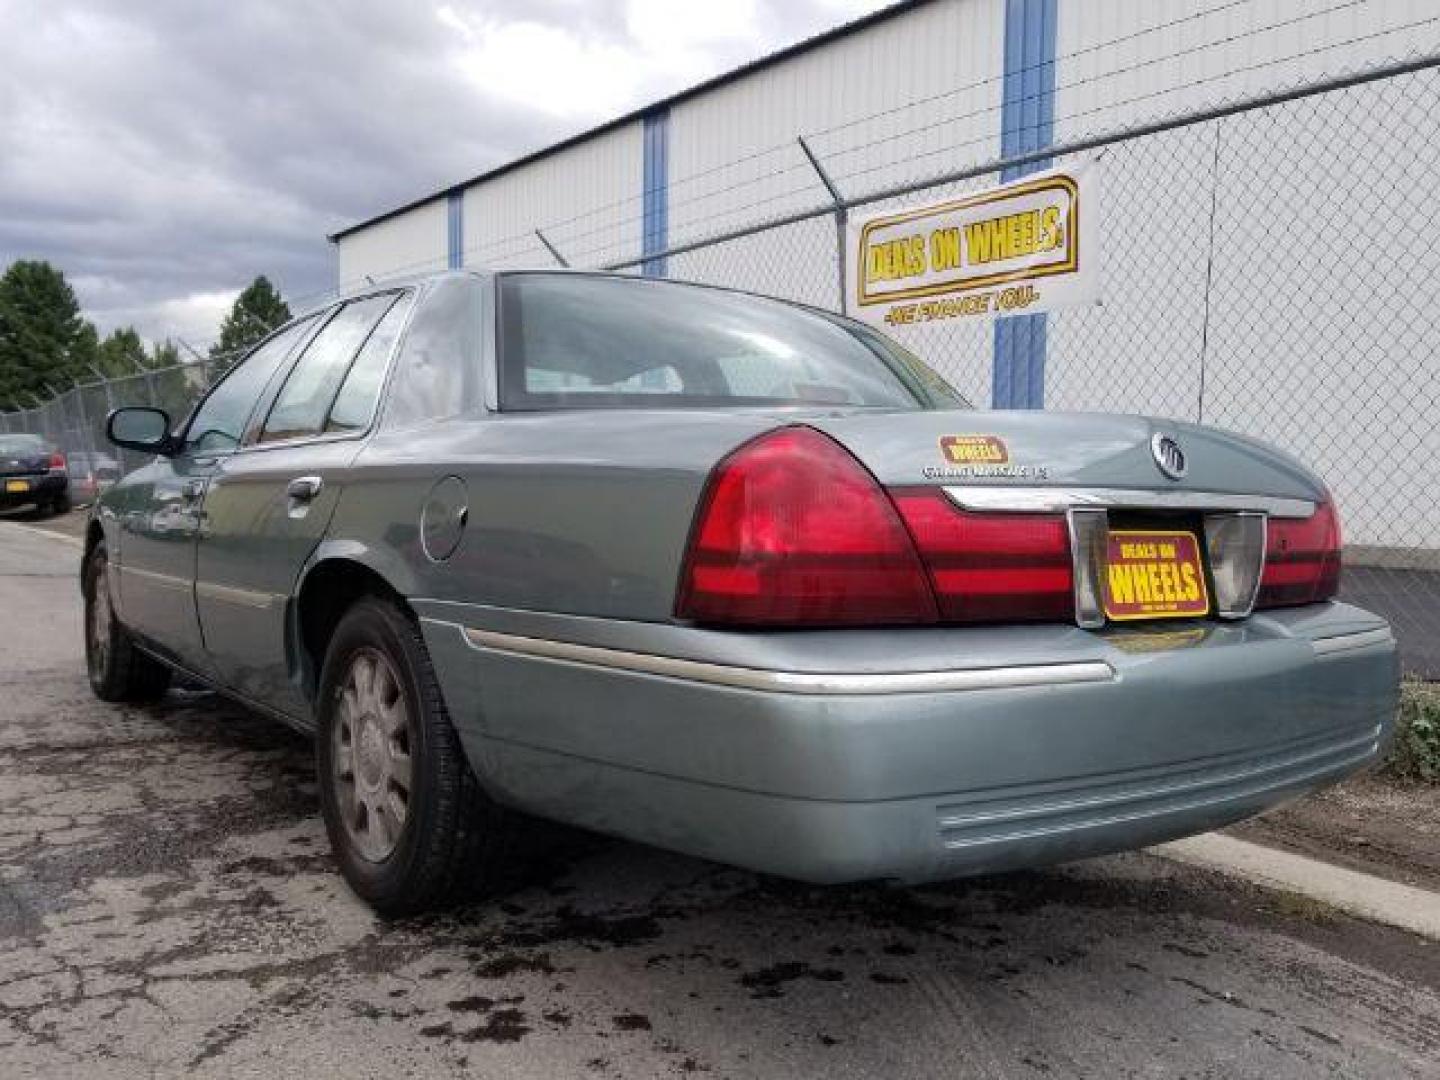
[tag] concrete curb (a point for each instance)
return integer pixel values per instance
(48, 534)
(1363, 895)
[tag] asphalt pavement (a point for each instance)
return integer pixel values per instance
(168, 907)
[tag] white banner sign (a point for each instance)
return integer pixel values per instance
(1022, 247)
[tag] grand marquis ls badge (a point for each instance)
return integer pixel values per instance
(1168, 456)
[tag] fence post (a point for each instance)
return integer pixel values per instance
(60, 427)
(85, 438)
(842, 241)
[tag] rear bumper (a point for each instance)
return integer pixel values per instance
(1082, 743)
(38, 489)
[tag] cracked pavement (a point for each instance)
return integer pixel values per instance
(168, 906)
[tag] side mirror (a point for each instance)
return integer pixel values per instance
(140, 428)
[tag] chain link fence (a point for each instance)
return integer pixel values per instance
(74, 420)
(1266, 267)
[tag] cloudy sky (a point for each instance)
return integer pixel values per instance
(163, 152)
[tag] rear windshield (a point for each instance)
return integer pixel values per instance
(577, 341)
(21, 444)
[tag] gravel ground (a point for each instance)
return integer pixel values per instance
(1387, 829)
(168, 907)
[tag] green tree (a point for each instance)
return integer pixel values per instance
(257, 311)
(40, 332)
(175, 387)
(165, 354)
(122, 353)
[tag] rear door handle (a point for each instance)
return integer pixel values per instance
(304, 488)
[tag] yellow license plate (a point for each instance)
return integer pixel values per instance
(1154, 575)
(17, 485)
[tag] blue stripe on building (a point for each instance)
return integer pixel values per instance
(655, 186)
(455, 229)
(1027, 120)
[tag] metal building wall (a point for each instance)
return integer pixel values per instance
(413, 242)
(878, 108)
(586, 199)
(1124, 61)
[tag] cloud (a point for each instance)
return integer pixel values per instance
(163, 153)
(549, 68)
(189, 319)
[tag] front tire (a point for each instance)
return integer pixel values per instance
(406, 817)
(117, 670)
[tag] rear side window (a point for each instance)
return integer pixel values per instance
(218, 423)
(438, 372)
(304, 400)
(589, 341)
(355, 404)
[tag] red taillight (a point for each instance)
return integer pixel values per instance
(1302, 559)
(991, 567)
(792, 531)
(57, 462)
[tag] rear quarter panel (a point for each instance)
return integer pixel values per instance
(574, 512)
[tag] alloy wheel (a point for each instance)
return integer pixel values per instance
(98, 653)
(371, 758)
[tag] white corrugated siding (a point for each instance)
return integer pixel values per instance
(412, 243)
(911, 97)
(1120, 62)
(586, 198)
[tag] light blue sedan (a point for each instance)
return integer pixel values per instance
(730, 576)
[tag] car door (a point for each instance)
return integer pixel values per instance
(268, 505)
(162, 508)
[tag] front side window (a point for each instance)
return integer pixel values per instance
(218, 424)
(590, 341)
(304, 400)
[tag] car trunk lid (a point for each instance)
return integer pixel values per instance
(978, 449)
(24, 464)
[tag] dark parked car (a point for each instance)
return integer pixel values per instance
(33, 472)
(726, 575)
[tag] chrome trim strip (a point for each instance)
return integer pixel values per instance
(235, 596)
(1041, 500)
(1344, 643)
(167, 581)
(791, 682)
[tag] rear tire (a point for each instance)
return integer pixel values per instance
(60, 504)
(406, 817)
(118, 671)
